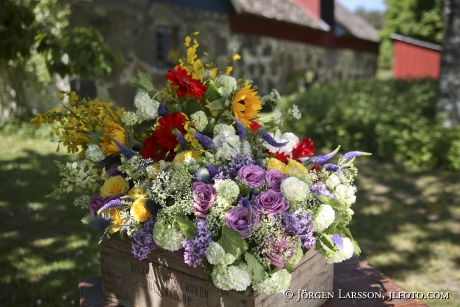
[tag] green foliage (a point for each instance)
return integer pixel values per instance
(393, 119)
(420, 19)
(36, 43)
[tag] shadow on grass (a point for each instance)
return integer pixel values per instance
(404, 216)
(44, 247)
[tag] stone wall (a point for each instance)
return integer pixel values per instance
(138, 28)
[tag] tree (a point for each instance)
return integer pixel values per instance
(449, 82)
(421, 19)
(37, 45)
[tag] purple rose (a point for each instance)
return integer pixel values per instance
(96, 203)
(239, 219)
(270, 202)
(254, 175)
(279, 249)
(274, 178)
(204, 196)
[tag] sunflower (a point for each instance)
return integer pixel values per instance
(246, 105)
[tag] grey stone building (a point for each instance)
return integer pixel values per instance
(280, 41)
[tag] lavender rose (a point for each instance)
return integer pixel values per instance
(204, 196)
(254, 175)
(238, 218)
(279, 249)
(274, 178)
(271, 202)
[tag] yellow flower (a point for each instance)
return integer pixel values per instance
(295, 169)
(277, 164)
(187, 155)
(118, 220)
(113, 131)
(138, 210)
(113, 186)
(246, 105)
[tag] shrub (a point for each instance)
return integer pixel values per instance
(393, 119)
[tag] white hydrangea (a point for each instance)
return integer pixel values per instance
(200, 120)
(344, 253)
(277, 117)
(238, 277)
(167, 236)
(147, 108)
(276, 283)
(224, 129)
(215, 254)
(226, 85)
(228, 146)
(227, 192)
(323, 218)
(333, 181)
(95, 153)
(130, 119)
(346, 194)
(295, 112)
(294, 189)
(220, 277)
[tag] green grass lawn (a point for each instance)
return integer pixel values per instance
(407, 222)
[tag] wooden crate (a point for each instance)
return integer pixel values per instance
(164, 280)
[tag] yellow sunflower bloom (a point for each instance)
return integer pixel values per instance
(118, 220)
(246, 105)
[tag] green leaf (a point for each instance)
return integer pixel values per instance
(216, 105)
(256, 270)
(232, 242)
(212, 93)
(187, 227)
(143, 81)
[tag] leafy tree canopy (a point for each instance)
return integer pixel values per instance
(421, 19)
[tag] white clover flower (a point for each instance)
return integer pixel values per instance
(94, 153)
(167, 236)
(200, 120)
(226, 85)
(224, 129)
(147, 108)
(346, 194)
(238, 277)
(130, 119)
(227, 191)
(295, 112)
(344, 253)
(276, 283)
(294, 189)
(323, 218)
(215, 254)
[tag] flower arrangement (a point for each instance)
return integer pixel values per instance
(200, 168)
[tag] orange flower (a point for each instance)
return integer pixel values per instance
(246, 105)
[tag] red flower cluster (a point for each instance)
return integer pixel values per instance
(160, 145)
(187, 85)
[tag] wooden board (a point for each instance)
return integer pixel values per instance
(164, 280)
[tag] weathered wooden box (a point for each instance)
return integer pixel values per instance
(164, 280)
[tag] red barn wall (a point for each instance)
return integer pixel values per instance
(414, 62)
